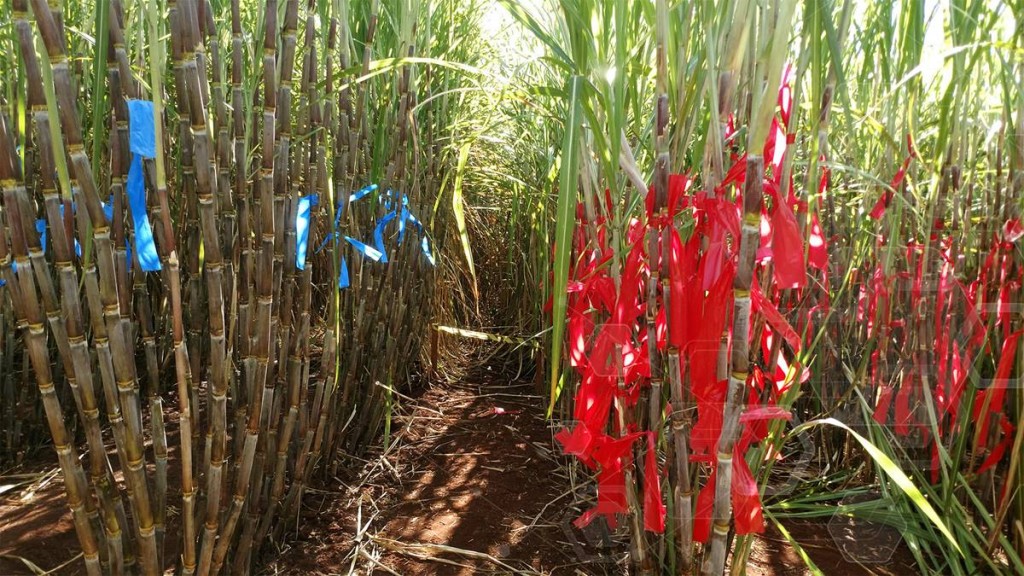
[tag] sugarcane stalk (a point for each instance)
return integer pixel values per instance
(71, 324)
(124, 368)
(171, 264)
(734, 400)
(205, 173)
(296, 361)
(35, 341)
(260, 401)
(246, 255)
(307, 455)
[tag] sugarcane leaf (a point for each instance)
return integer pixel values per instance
(564, 225)
(796, 545)
(893, 471)
(459, 208)
(99, 85)
(527, 20)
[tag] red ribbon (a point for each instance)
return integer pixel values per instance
(654, 508)
(996, 393)
(883, 203)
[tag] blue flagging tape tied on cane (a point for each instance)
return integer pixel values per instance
(142, 142)
(377, 252)
(108, 211)
(343, 275)
(367, 251)
(41, 228)
(302, 217)
(360, 194)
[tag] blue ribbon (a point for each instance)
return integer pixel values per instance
(378, 253)
(142, 141)
(367, 251)
(378, 235)
(108, 209)
(401, 220)
(41, 229)
(362, 193)
(358, 194)
(424, 241)
(141, 129)
(343, 275)
(302, 216)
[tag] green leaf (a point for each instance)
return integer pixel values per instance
(893, 471)
(565, 222)
(459, 207)
(527, 20)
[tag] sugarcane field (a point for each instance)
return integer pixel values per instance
(511, 287)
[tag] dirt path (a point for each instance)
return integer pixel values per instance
(471, 483)
(474, 484)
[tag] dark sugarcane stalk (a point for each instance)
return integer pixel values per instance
(35, 343)
(81, 379)
(284, 229)
(345, 171)
(124, 368)
(307, 455)
(205, 172)
(228, 217)
(119, 162)
(171, 263)
(118, 136)
(299, 374)
(290, 362)
(260, 400)
(40, 267)
(104, 355)
(349, 314)
(282, 197)
(278, 444)
(357, 146)
(343, 130)
(190, 239)
(72, 330)
(327, 383)
(143, 297)
(246, 255)
(392, 278)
